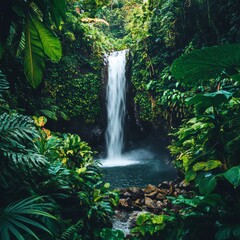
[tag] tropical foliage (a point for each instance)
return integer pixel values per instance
(23, 28)
(184, 81)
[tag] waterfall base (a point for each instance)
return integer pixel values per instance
(118, 162)
(138, 167)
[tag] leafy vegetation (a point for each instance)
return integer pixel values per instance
(184, 79)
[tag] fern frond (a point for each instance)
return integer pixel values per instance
(18, 159)
(3, 83)
(16, 128)
(71, 232)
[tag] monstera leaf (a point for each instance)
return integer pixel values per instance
(208, 63)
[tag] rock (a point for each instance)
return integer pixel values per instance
(150, 188)
(151, 204)
(152, 194)
(160, 205)
(166, 203)
(136, 193)
(164, 191)
(164, 185)
(139, 201)
(160, 196)
(127, 194)
(125, 203)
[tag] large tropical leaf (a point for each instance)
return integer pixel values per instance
(18, 158)
(34, 54)
(16, 128)
(207, 63)
(51, 44)
(233, 175)
(206, 183)
(17, 218)
(204, 101)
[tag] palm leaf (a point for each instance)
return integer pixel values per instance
(18, 218)
(34, 54)
(207, 63)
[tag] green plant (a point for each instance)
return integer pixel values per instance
(150, 226)
(208, 63)
(110, 234)
(17, 133)
(24, 218)
(31, 33)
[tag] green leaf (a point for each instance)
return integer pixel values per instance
(213, 200)
(206, 166)
(107, 185)
(190, 175)
(51, 44)
(204, 101)
(34, 55)
(15, 217)
(158, 219)
(206, 63)
(233, 176)
(206, 183)
(50, 114)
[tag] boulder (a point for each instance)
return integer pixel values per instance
(150, 188)
(160, 196)
(136, 193)
(151, 204)
(164, 185)
(152, 194)
(125, 203)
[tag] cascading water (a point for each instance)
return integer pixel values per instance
(116, 104)
(116, 109)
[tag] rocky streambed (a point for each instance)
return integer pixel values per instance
(135, 201)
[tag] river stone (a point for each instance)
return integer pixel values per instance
(152, 194)
(150, 188)
(164, 185)
(125, 203)
(160, 196)
(160, 204)
(151, 204)
(127, 194)
(136, 193)
(164, 191)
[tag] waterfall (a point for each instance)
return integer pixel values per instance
(116, 111)
(116, 104)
